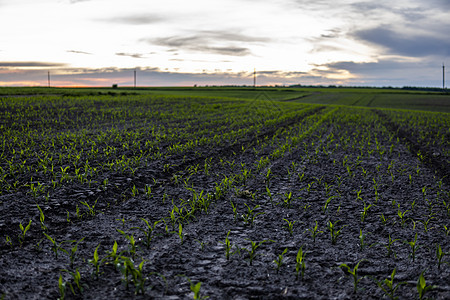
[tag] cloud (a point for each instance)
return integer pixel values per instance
(78, 52)
(77, 1)
(389, 72)
(25, 64)
(138, 19)
(402, 43)
(207, 41)
(133, 55)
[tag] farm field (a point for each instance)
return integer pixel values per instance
(254, 196)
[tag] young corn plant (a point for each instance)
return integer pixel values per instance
(289, 226)
(422, 286)
(23, 232)
(132, 274)
(254, 246)
(314, 231)
(249, 217)
(91, 209)
(228, 246)
(389, 245)
(95, 262)
(440, 255)
(354, 273)
(55, 246)
(388, 287)
(300, 263)
(73, 252)
(41, 218)
(279, 261)
(287, 200)
(335, 231)
(327, 202)
(365, 210)
(148, 231)
(76, 276)
(195, 288)
(414, 246)
(131, 239)
(61, 288)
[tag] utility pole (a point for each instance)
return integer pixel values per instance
(254, 77)
(443, 76)
(48, 79)
(135, 78)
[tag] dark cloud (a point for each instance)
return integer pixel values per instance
(419, 45)
(78, 52)
(139, 19)
(133, 55)
(216, 42)
(390, 72)
(23, 64)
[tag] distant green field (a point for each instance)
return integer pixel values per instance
(361, 97)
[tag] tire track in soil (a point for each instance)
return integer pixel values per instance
(436, 163)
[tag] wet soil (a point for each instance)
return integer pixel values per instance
(311, 172)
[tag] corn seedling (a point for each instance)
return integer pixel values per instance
(228, 246)
(8, 241)
(402, 217)
(76, 276)
(446, 230)
(440, 255)
(234, 210)
(55, 246)
(133, 274)
(91, 209)
(300, 263)
(388, 287)
(73, 252)
(61, 288)
(249, 217)
(327, 202)
(180, 232)
(131, 239)
(95, 262)
(290, 226)
(113, 255)
(279, 261)
(335, 232)
(414, 246)
(23, 232)
(383, 219)
(314, 231)
(41, 218)
(269, 194)
(254, 246)
(365, 210)
(422, 286)
(195, 288)
(354, 274)
(389, 245)
(148, 231)
(362, 243)
(287, 199)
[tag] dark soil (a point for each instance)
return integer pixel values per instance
(313, 171)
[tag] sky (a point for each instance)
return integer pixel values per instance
(182, 43)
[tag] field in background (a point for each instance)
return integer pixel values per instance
(361, 97)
